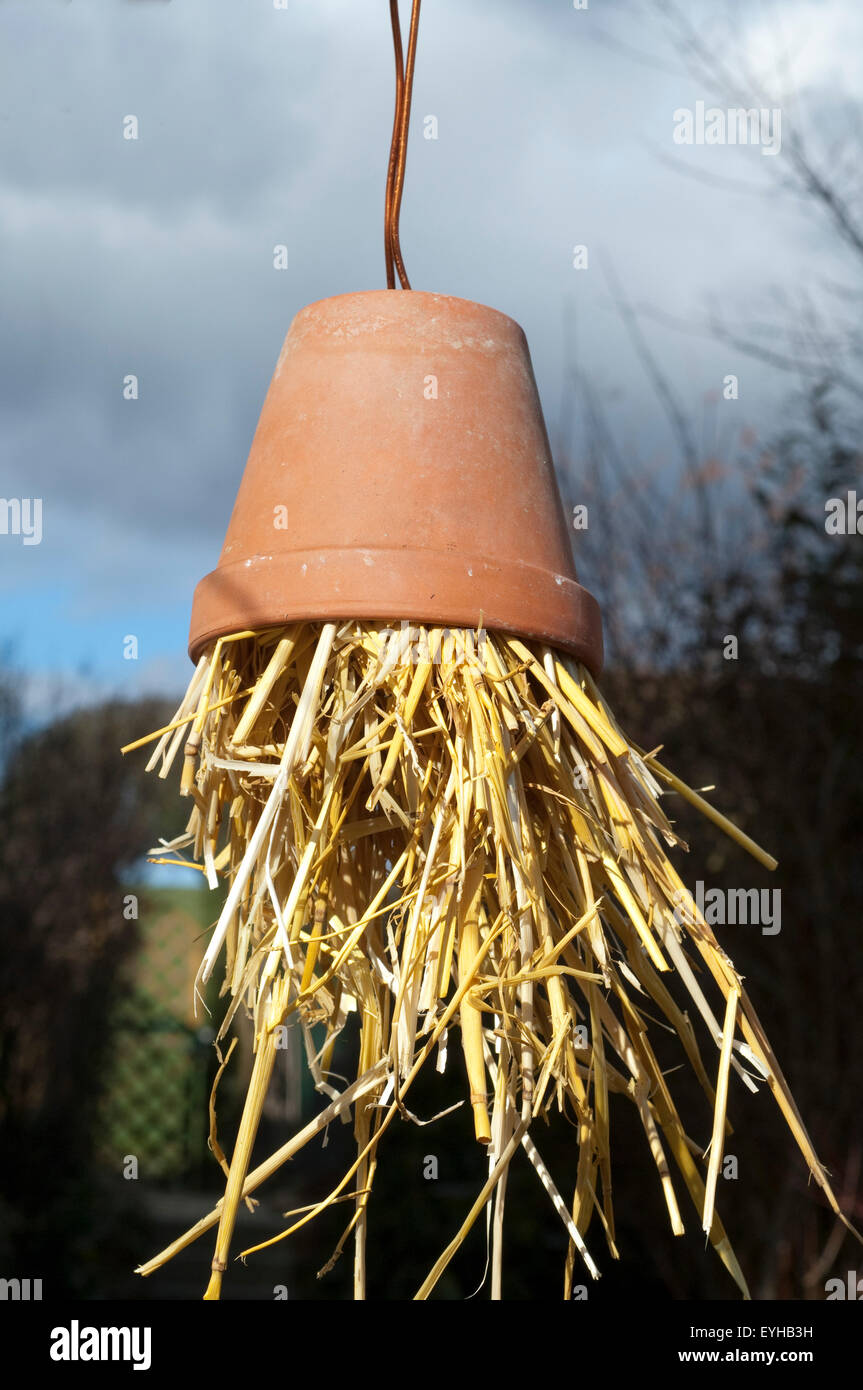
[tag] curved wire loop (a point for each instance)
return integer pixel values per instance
(399, 143)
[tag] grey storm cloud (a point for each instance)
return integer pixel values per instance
(260, 126)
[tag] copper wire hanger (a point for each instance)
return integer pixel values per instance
(399, 144)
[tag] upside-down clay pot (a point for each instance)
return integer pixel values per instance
(401, 471)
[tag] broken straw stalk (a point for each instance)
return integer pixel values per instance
(463, 839)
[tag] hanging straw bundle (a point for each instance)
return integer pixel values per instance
(446, 832)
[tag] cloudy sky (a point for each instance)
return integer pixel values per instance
(260, 125)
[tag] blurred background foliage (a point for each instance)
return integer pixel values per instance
(101, 1057)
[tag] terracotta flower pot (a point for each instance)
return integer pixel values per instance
(401, 471)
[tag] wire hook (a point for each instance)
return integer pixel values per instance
(399, 143)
